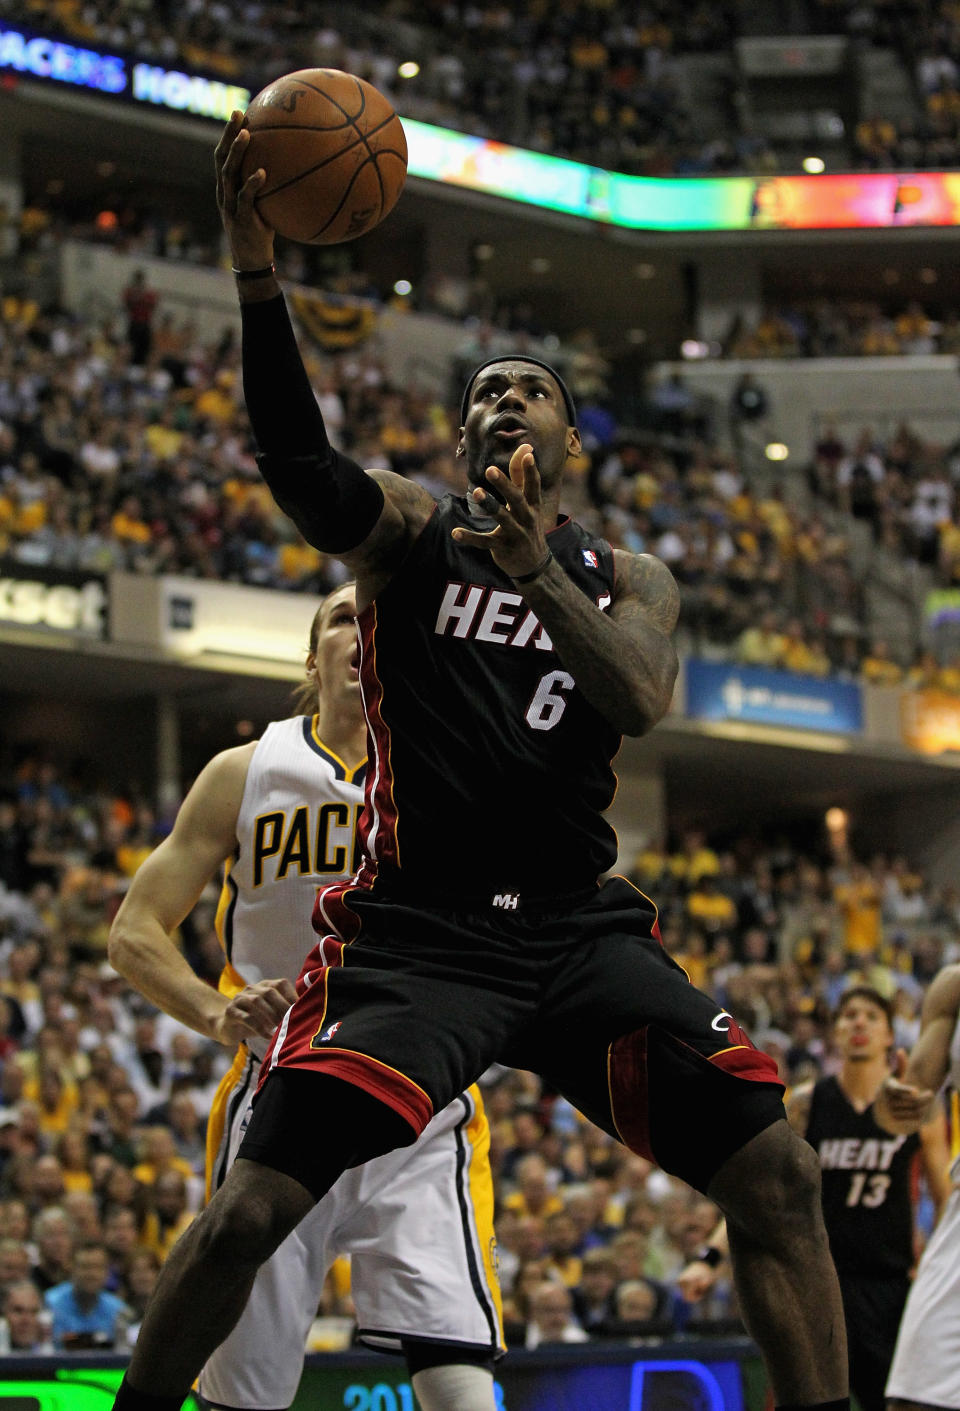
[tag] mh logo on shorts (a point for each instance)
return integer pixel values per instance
(329, 1032)
(507, 901)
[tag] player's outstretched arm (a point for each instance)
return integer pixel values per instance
(906, 1100)
(164, 891)
(367, 521)
(935, 1150)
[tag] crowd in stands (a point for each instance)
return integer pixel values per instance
(600, 83)
(103, 1101)
(902, 487)
(147, 466)
(596, 83)
(838, 328)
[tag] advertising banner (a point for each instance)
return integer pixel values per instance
(725, 691)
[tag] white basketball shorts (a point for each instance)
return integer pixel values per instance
(418, 1226)
(926, 1361)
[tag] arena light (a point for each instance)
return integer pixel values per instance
(776, 451)
(409, 69)
(694, 350)
(403, 287)
(836, 820)
(813, 165)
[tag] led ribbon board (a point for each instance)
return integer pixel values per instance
(871, 200)
(855, 201)
(56, 61)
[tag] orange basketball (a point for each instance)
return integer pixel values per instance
(334, 153)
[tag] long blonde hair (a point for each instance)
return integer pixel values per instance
(303, 699)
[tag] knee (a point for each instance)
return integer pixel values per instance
(796, 1180)
(238, 1229)
(775, 1192)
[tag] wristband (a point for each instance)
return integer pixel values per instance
(709, 1254)
(254, 273)
(529, 577)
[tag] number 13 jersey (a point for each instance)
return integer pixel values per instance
(866, 1194)
(489, 768)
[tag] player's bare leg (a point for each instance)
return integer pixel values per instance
(784, 1275)
(454, 1387)
(206, 1280)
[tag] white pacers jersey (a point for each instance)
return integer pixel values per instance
(953, 1084)
(296, 831)
(926, 1361)
(417, 1222)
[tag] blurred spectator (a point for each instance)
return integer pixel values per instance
(140, 303)
(24, 1327)
(551, 1317)
(593, 1301)
(642, 1308)
(170, 1215)
(878, 667)
(84, 1314)
(54, 1239)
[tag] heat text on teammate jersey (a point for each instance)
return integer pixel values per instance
(856, 1154)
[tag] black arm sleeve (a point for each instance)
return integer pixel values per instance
(331, 499)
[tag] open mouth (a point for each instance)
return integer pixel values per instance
(510, 428)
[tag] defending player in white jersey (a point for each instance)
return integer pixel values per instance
(280, 814)
(926, 1362)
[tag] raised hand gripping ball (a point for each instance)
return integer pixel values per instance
(334, 153)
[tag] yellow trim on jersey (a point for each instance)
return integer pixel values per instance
(729, 1049)
(954, 1124)
(347, 771)
(231, 982)
(223, 906)
(480, 1193)
(217, 1121)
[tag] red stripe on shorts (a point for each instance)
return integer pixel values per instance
(747, 1062)
(392, 1087)
(627, 1081)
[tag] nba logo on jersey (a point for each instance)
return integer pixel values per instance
(590, 559)
(329, 1031)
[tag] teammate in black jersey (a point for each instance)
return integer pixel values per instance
(867, 1191)
(504, 651)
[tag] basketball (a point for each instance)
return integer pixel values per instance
(334, 153)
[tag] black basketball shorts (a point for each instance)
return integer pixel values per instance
(413, 1001)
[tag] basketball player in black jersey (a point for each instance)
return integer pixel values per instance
(867, 1194)
(503, 653)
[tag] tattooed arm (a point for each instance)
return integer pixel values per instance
(623, 661)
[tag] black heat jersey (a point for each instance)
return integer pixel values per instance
(867, 1206)
(489, 770)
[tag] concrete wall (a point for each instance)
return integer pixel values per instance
(853, 392)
